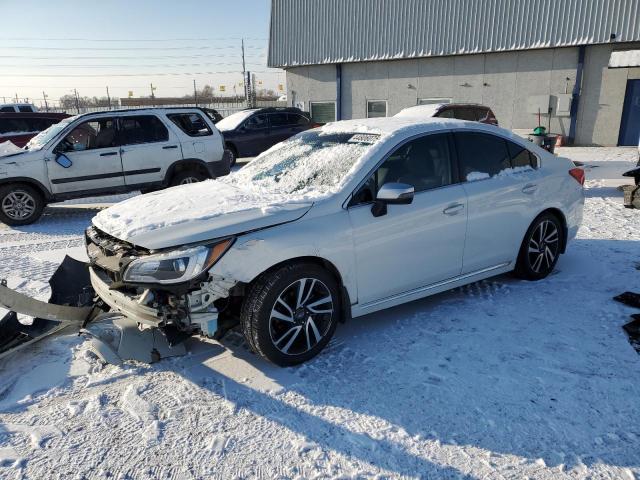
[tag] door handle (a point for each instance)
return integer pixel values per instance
(529, 188)
(167, 147)
(454, 209)
(108, 154)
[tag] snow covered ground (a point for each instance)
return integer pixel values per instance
(499, 379)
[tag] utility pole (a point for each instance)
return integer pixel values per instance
(245, 78)
(77, 100)
(195, 92)
(108, 98)
(46, 105)
(153, 97)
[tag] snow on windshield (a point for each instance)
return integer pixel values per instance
(232, 121)
(312, 161)
(40, 140)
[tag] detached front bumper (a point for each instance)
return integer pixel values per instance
(125, 304)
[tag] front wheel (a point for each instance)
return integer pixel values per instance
(290, 314)
(540, 248)
(20, 204)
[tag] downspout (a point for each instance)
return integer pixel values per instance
(575, 96)
(338, 91)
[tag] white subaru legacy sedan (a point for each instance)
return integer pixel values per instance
(336, 222)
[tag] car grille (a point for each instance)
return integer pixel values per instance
(108, 254)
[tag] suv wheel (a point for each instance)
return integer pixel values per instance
(233, 154)
(290, 314)
(20, 204)
(187, 176)
(540, 248)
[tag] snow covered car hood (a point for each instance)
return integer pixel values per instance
(195, 213)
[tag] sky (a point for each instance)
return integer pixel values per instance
(125, 45)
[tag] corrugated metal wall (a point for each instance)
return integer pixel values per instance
(305, 32)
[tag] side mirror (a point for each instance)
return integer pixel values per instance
(63, 160)
(392, 194)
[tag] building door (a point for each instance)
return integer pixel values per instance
(630, 125)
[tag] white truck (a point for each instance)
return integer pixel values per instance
(108, 153)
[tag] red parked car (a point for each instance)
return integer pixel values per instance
(462, 111)
(22, 127)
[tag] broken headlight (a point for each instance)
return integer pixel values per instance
(176, 266)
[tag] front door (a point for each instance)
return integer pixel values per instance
(148, 148)
(254, 137)
(93, 150)
(412, 245)
(630, 125)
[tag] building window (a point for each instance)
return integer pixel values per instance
(323, 112)
(376, 108)
(433, 101)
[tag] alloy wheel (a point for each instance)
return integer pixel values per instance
(544, 245)
(301, 316)
(187, 180)
(18, 205)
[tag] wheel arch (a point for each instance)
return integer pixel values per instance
(31, 182)
(556, 212)
(185, 164)
(323, 263)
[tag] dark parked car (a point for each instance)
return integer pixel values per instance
(250, 132)
(213, 114)
(462, 111)
(22, 127)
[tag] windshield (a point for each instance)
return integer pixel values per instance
(234, 120)
(311, 160)
(40, 140)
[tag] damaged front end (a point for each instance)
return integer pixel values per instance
(157, 299)
(171, 290)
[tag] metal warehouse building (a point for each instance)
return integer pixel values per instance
(575, 61)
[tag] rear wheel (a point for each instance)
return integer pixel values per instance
(187, 176)
(540, 248)
(20, 204)
(290, 314)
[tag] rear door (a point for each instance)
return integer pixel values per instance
(283, 126)
(92, 147)
(148, 148)
(500, 199)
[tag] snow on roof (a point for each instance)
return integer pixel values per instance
(391, 125)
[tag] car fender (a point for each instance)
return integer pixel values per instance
(327, 238)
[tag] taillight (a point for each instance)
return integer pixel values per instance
(578, 174)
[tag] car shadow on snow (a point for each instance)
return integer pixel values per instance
(538, 370)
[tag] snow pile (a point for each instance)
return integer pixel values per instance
(9, 148)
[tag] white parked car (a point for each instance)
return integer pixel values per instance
(336, 222)
(18, 107)
(106, 153)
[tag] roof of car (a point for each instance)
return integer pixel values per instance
(389, 125)
(141, 110)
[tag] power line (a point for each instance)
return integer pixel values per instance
(159, 74)
(153, 57)
(131, 39)
(134, 66)
(189, 47)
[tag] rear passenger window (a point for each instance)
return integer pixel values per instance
(521, 157)
(481, 155)
(448, 113)
(142, 129)
(295, 119)
(278, 119)
(191, 123)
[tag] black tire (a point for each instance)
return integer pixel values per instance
(187, 176)
(259, 326)
(233, 154)
(20, 204)
(540, 248)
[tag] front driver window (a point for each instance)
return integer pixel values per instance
(256, 122)
(424, 163)
(90, 135)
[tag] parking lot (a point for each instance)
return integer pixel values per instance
(501, 378)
